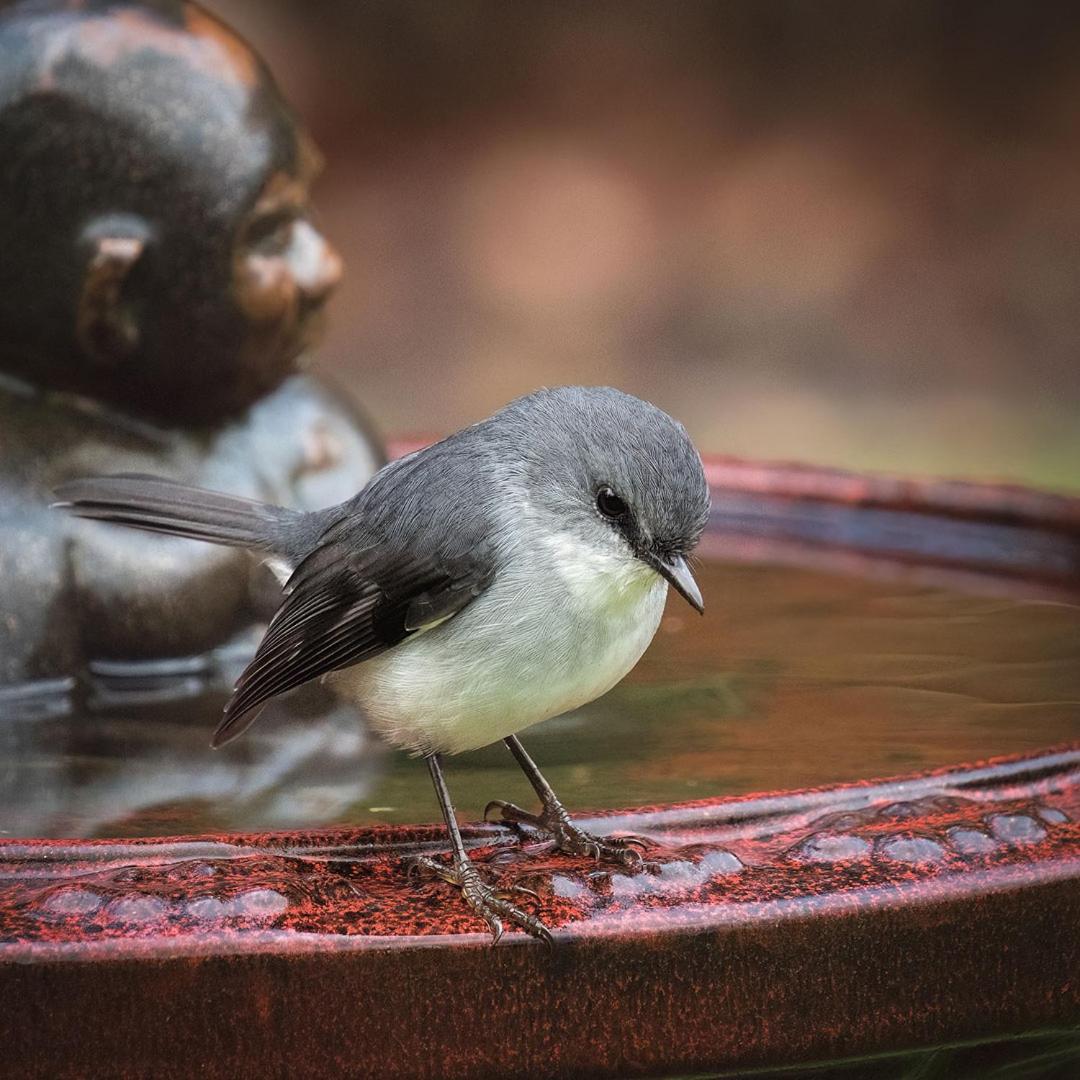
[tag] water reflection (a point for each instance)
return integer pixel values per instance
(794, 678)
(137, 761)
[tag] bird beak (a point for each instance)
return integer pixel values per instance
(678, 573)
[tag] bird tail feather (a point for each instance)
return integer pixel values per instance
(166, 506)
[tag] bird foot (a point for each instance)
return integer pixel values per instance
(555, 821)
(490, 903)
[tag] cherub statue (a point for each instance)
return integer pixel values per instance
(160, 281)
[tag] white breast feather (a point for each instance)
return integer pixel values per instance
(534, 645)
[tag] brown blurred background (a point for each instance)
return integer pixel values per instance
(838, 232)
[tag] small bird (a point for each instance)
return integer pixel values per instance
(505, 575)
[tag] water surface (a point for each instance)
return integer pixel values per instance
(793, 678)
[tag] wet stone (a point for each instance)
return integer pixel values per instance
(136, 910)
(681, 871)
(677, 874)
(264, 903)
(1053, 816)
(720, 862)
(1016, 828)
(624, 886)
(72, 902)
(206, 909)
(832, 848)
(971, 841)
(567, 887)
(911, 849)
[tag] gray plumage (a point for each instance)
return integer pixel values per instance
(505, 510)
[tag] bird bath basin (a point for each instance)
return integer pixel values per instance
(245, 909)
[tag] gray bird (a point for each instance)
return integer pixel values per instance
(507, 574)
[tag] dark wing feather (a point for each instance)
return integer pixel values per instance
(342, 607)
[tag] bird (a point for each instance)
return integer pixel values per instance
(509, 573)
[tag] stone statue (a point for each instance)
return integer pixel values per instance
(160, 279)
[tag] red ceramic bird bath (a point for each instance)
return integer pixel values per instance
(767, 930)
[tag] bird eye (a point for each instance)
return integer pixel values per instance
(610, 505)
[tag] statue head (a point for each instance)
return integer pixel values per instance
(156, 250)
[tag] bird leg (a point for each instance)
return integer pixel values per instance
(554, 820)
(490, 903)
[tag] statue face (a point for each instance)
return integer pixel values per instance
(156, 186)
(283, 267)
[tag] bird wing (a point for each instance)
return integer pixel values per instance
(343, 606)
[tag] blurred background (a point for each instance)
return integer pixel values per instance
(844, 233)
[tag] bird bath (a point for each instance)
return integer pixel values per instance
(251, 906)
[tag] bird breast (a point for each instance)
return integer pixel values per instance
(560, 625)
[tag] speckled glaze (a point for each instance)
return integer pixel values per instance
(770, 929)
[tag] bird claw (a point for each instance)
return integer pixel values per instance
(510, 890)
(569, 838)
(623, 850)
(490, 903)
(511, 814)
(422, 863)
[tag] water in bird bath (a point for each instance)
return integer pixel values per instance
(793, 678)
